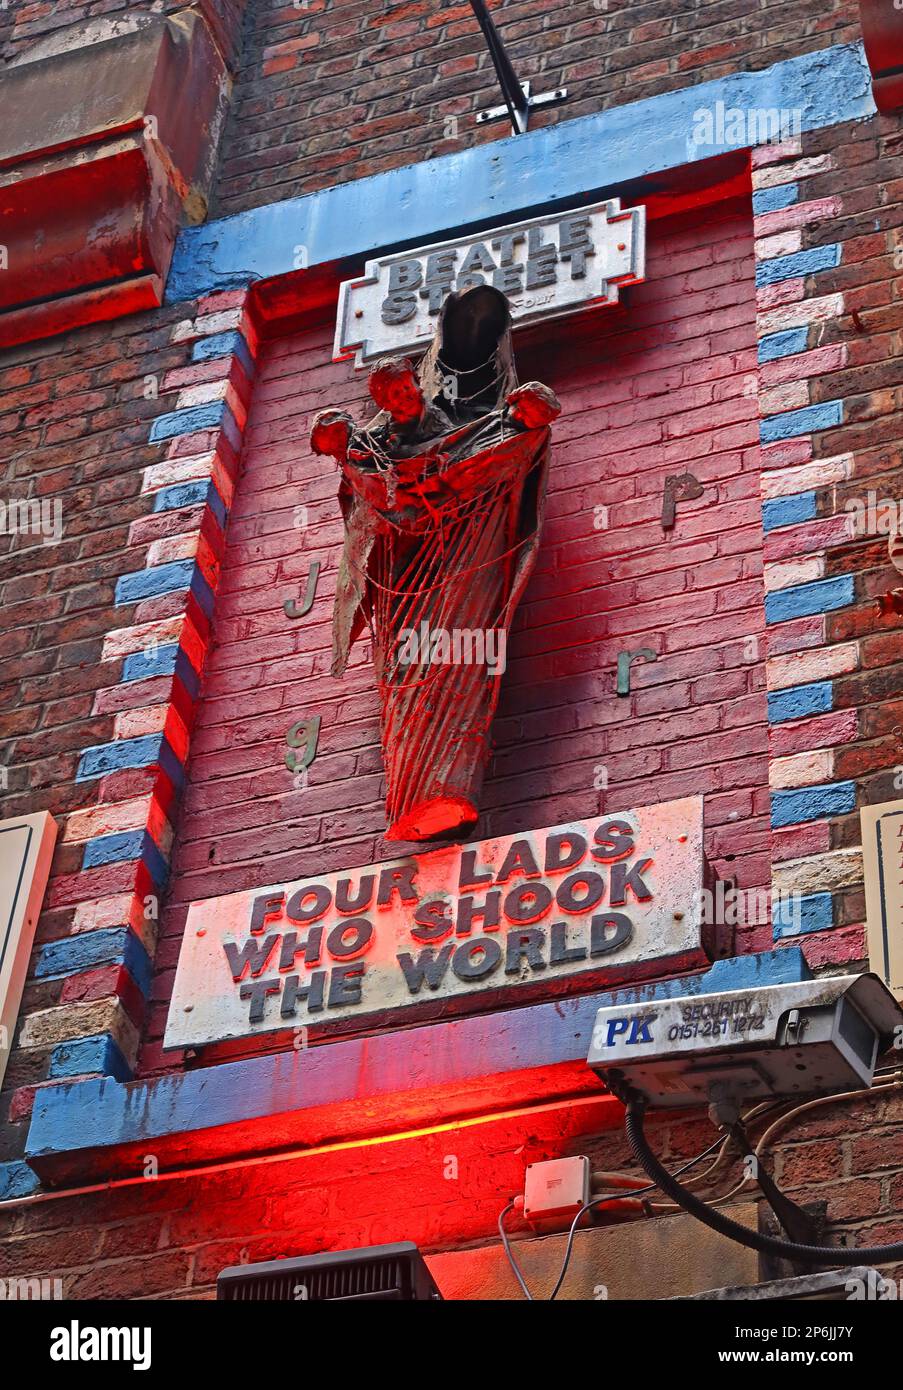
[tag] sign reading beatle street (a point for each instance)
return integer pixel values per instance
(452, 930)
(546, 267)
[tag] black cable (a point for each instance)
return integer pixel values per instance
(619, 1195)
(768, 1245)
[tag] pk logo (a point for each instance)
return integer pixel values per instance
(616, 1028)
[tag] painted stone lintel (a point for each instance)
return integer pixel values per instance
(518, 177)
(347, 1090)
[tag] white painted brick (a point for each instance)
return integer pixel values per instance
(780, 244)
(783, 574)
(819, 873)
(817, 664)
(107, 819)
(786, 482)
(790, 395)
(206, 325)
(134, 639)
(774, 174)
(169, 548)
(801, 769)
(178, 470)
(829, 306)
(202, 393)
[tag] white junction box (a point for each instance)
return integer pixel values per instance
(557, 1188)
(777, 1040)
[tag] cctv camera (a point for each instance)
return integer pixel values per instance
(776, 1040)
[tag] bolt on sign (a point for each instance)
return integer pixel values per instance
(882, 858)
(454, 930)
(546, 267)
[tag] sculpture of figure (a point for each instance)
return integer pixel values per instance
(442, 494)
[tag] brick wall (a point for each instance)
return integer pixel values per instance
(669, 384)
(88, 663)
(24, 25)
(661, 384)
(170, 1237)
(829, 324)
(403, 82)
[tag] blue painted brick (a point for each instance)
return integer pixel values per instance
(123, 753)
(158, 579)
(187, 421)
(806, 420)
(85, 1056)
(124, 846)
(773, 199)
(788, 511)
(140, 666)
(783, 344)
(73, 955)
(17, 1180)
(802, 600)
(799, 263)
(203, 490)
(809, 912)
(799, 701)
(165, 579)
(168, 660)
(812, 803)
(230, 344)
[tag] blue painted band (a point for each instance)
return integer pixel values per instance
(73, 955)
(802, 600)
(788, 511)
(806, 913)
(95, 1055)
(800, 701)
(168, 660)
(140, 666)
(230, 344)
(807, 420)
(775, 199)
(784, 344)
(812, 803)
(152, 582)
(101, 1115)
(799, 263)
(126, 846)
(559, 165)
(125, 753)
(188, 421)
(17, 1180)
(165, 579)
(179, 495)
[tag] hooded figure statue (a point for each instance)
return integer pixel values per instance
(442, 494)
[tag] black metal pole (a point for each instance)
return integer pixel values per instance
(512, 91)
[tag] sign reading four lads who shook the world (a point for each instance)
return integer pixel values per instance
(546, 267)
(454, 930)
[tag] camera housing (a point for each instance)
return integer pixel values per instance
(771, 1040)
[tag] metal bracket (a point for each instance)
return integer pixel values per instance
(521, 114)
